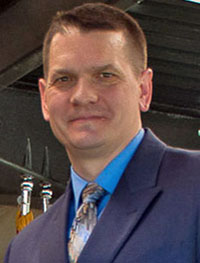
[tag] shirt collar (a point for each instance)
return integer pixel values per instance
(78, 184)
(110, 176)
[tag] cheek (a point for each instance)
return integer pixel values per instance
(129, 105)
(119, 98)
(56, 103)
(112, 95)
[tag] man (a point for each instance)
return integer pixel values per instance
(96, 83)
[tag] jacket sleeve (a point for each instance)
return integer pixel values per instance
(7, 255)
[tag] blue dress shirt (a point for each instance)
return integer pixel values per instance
(107, 179)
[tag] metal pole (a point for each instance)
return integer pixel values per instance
(30, 172)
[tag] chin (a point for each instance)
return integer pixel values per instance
(85, 143)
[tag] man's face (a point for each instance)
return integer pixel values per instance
(92, 97)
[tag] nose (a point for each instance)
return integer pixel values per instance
(83, 93)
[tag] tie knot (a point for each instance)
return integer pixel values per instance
(92, 193)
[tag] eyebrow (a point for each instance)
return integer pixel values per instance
(58, 72)
(98, 68)
(105, 67)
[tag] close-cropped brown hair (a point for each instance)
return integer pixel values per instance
(103, 17)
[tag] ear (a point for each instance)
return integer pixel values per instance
(146, 89)
(42, 89)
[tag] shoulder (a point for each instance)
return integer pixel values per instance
(186, 157)
(40, 221)
(179, 168)
(174, 153)
(182, 165)
(177, 162)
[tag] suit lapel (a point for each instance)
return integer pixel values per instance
(53, 244)
(135, 192)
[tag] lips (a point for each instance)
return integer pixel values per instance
(90, 115)
(86, 118)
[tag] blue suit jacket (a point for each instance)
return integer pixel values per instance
(152, 217)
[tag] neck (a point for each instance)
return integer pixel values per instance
(89, 169)
(89, 163)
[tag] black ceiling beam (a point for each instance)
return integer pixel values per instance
(125, 4)
(22, 29)
(183, 112)
(179, 3)
(164, 10)
(175, 81)
(173, 42)
(178, 69)
(174, 55)
(20, 68)
(172, 27)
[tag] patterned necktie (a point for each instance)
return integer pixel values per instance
(85, 220)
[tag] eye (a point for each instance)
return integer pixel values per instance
(62, 79)
(106, 75)
(62, 82)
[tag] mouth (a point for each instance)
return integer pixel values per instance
(87, 118)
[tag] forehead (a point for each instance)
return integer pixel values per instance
(86, 45)
(72, 34)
